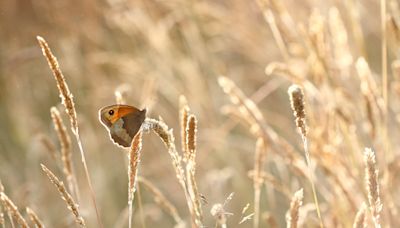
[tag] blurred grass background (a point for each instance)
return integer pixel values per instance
(154, 51)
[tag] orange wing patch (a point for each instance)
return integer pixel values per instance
(122, 111)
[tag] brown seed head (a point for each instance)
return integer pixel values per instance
(191, 137)
(297, 103)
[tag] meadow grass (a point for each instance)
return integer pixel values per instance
(217, 75)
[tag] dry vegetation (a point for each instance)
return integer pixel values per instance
(264, 113)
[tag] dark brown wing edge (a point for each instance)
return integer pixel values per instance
(133, 122)
(119, 141)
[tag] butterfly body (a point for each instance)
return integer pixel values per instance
(123, 122)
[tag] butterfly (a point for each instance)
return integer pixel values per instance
(123, 122)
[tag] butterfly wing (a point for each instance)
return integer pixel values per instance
(133, 121)
(120, 141)
(126, 127)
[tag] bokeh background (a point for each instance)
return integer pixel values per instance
(155, 50)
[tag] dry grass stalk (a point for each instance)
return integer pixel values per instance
(2, 221)
(283, 70)
(270, 19)
(252, 115)
(339, 183)
(356, 26)
(272, 181)
(134, 160)
(51, 149)
(396, 69)
(384, 58)
(68, 102)
(133, 168)
(285, 22)
(385, 88)
(183, 117)
(247, 217)
(191, 138)
(72, 206)
(292, 217)
(286, 150)
(371, 177)
(13, 210)
(341, 49)
(369, 90)
(259, 162)
(296, 96)
(66, 155)
(34, 218)
(368, 83)
(246, 106)
(316, 42)
(66, 96)
(194, 193)
(360, 221)
(166, 135)
(393, 27)
(161, 200)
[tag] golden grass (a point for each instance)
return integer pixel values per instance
(361, 216)
(13, 210)
(34, 218)
(66, 154)
(65, 95)
(191, 138)
(150, 53)
(49, 146)
(259, 163)
(133, 169)
(183, 117)
(2, 221)
(166, 135)
(292, 218)
(372, 183)
(162, 200)
(66, 196)
(68, 102)
(296, 96)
